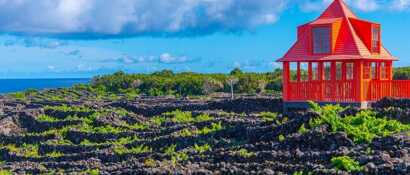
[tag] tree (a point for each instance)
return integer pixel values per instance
(232, 81)
(236, 72)
(211, 85)
(164, 73)
(247, 84)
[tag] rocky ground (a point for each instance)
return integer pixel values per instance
(219, 136)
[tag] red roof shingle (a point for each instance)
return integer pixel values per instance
(348, 44)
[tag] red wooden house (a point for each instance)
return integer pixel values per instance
(339, 58)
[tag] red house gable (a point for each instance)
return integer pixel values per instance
(341, 35)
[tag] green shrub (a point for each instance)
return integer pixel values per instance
(203, 148)
(245, 153)
(125, 140)
(186, 133)
(268, 116)
(203, 118)
(92, 172)
(363, 127)
(46, 118)
(170, 150)
(180, 116)
(281, 138)
(214, 127)
(158, 120)
(5, 172)
(302, 129)
(18, 96)
(26, 150)
(121, 149)
(66, 108)
(55, 154)
(346, 163)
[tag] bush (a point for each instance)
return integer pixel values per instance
(202, 149)
(182, 84)
(5, 172)
(363, 127)
(245, 153)
(268, 116)
(346, 163)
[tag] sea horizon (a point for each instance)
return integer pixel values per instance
(12, 85)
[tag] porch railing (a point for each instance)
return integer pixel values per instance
(345, 91)
(339, 91)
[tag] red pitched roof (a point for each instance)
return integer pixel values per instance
(346, 45)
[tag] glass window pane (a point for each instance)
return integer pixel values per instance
(293, 71)
(315, 71)
(349, 71)
(339, 70)
(375, 39)
(321, 40)
(304, 74)
(327, 70)
(366, 70)
(373, 70)
(383, 70)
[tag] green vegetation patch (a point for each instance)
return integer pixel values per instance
(245, 153)
(363, 127)
(203, 148)
(268, 116)
(121, 149)
(346, 163)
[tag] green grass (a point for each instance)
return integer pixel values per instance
(175, 156)
(106, 129)
(185, 117)
(125, 140)
(346, 163)
(18, 96)
(268, 116)
(203, 148)
(91, 172)
(25, 150)
(186, 133)
(5, 172)
(121, 149)
(46, 118)
(302, 129)
(245, 153)
(158, 120)
(55, 154)
(66, 108)
(214, 127)
(203, 118)
(170, 150)
(281, 138)
(362, 128)
(180, 116)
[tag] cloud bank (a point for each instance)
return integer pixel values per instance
(362, 5)
(96, 19)
(125, 18)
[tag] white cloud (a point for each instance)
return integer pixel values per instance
(88, 19)
(165, 58)
(123, 18)
(401, 4)
(168, 58)
(362, 5)
(366, 5)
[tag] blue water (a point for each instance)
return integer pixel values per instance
(15, 85)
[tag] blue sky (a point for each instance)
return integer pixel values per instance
(83, 38)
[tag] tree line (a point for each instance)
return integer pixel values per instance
(166, 82)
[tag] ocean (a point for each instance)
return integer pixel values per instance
(16, 85)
